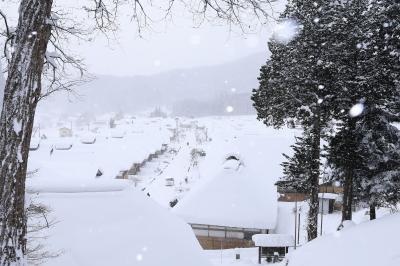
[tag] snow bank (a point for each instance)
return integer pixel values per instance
(372, 243)
(118, 228)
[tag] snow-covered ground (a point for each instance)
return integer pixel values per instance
(107, 221)
(371, 243)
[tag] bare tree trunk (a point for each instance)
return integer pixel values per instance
(347, 196)
(312, 226)
(347, 212)
(372, 211)
(21, 95)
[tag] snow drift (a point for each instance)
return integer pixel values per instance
(372, 243)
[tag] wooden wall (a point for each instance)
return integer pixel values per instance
(224, 243)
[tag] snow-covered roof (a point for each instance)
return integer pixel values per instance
(273, 240)
(245, 197)
(118, 228)
(327, 195)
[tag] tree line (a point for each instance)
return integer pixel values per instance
(337, 79)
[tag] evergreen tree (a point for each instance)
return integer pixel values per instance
(373, 78)
(378, 177)
(296, 168)
(297, 88)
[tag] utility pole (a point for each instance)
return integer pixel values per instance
(298, 227)
(295, 225)
(322, 212)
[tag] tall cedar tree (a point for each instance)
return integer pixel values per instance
(297, 88)
(368, 150)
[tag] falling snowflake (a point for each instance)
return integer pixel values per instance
(356, 110)
(229, 109)
(139, 257)
(285, 31)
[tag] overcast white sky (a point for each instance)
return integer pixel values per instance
(175, 44)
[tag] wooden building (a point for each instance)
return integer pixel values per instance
(225, 237)
(272, 247)
(233, 206)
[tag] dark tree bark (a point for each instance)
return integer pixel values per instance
(348, 184)
(312, 227)
(372, 212)
(347, 211)
(21, 95)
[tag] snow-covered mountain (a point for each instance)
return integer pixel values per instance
(173, 89)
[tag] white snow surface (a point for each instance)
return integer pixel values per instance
(371, 243)
(273, 240)
(76, 168)
(118, 228)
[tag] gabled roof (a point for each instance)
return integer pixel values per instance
(242, 194)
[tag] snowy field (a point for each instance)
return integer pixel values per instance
(107, 221)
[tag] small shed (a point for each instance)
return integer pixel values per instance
(327, 202)
(65, 132)
(88, 139)
(63, 145)
(272, 247)
(169, 181)
(34, 144)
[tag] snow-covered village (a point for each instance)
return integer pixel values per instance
(200, 133)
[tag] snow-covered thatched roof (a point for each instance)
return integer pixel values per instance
(273, 240)
(241, 193)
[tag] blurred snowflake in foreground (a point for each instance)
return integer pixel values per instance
(229, 109)
(356, 110)
(285, 31)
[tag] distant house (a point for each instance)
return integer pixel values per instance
(88, 139)
(331, 190)
(65, 132)
(331, 187)
(228, 210)
(289, 194)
